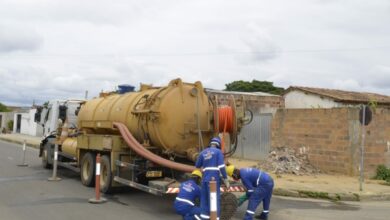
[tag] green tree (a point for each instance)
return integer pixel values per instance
(3, 108)
(254, 86)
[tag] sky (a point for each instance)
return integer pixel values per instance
(58, 49)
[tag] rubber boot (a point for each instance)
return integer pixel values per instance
(262, 216)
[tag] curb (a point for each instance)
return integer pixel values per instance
(20, 142)
(382, 197)
(331, 196)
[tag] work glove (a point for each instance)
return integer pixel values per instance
(242, 199)
(226, 183)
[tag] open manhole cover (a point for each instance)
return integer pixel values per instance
(229, 205)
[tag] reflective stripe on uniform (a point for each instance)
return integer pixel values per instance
(258, 179)
(250, 212)
(185, 200)
(197, 217)
(204, 216)
(251, 190)
(220, 166)
(211, 168)
(265, 211)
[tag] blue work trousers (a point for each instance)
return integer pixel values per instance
(262, 193)
(188, 212)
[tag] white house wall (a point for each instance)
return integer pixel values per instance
(299, 99)
(25, 124)
(28, 126)
(6, 117)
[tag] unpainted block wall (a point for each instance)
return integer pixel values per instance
(257, 104)
(332, 137)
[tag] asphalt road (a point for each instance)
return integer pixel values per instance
(25, 193)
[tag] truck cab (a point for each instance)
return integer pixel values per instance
(49, 116)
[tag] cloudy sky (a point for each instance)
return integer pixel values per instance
(59, 49)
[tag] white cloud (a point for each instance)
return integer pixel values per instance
(59, 49)
(260, 44)
(348, 84)
(18, 39)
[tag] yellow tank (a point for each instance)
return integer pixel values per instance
(167, 117)
(69, 146)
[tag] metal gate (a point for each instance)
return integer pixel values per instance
(254, 141)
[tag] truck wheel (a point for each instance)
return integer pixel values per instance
(87, 169)
(229, 205)
(105, 175)
(45, 156)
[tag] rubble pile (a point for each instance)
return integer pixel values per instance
(284, 160)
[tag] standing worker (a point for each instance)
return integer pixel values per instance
(259, 186)
(185, 201)
(211, 160)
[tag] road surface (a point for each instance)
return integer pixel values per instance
(25, 193)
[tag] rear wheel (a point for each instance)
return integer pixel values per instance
(105, 175)
(45, 156)
(87, 169)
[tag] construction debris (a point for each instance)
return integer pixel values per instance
(284, 160)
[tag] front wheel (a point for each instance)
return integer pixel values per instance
(45, 156)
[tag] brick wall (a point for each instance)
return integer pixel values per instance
(256, 103)
(377, 147)
(332, 137)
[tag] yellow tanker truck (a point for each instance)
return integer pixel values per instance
(147, 139)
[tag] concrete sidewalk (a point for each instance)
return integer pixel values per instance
(31, 141)
(323, 186)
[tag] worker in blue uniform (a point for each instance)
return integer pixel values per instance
(259, 186)
(185, 201)
(211, 160)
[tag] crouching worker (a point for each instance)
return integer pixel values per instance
(185, 201)
(259, 186)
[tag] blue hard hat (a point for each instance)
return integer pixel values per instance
(216, 141)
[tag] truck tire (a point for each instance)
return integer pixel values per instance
(229, 205)
(45, 156)
(105, 174)
(87, 169)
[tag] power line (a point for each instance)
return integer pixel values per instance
(220, 53)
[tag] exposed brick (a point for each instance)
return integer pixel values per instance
(327, 132)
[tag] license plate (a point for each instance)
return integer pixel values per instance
(153, 174)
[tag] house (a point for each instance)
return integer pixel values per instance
(307, 97)
(323, 124)
(25, 123)
(6, 117)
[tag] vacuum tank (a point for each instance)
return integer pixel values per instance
(170, 118)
